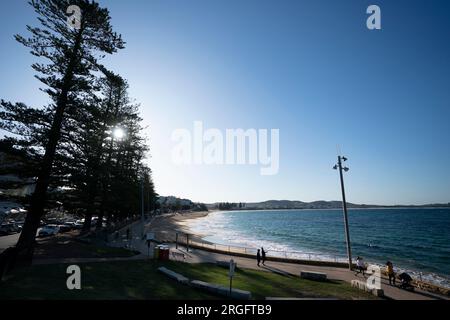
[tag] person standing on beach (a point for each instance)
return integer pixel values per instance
(390, 272)
(258, 257)
(263, 256)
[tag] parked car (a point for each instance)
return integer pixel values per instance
(19, 226)
(5, 229)
(78, 226)
(70, 224)
(52, 221)
(48, 230)
(8, 228)
(64, 228)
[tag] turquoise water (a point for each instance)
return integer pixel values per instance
(415, 240)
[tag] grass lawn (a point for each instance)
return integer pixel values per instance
(106, 252)
(65, 246)
(139, 279)
(265, 284)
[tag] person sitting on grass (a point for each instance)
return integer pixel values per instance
(360, 266)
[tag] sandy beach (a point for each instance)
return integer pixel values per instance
(166, 226)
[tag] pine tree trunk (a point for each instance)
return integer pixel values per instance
(99, 224)
(38, 200)
(90, 203)
(87, 222)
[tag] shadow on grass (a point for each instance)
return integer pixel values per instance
(140, 279)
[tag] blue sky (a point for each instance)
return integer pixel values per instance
(309, 68)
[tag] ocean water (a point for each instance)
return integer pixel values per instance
(415, 240)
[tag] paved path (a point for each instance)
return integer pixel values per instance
(198, 256)
(133, 240)
(8, 241)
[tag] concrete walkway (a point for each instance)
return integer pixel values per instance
(133, 240)
(391, 292)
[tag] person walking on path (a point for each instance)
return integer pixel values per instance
(263, 256)
(390, 272)
(258, 257)
(360, 266)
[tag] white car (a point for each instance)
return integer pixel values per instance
(48, 230)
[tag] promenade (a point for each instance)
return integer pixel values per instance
(391, 292)
(196, 255)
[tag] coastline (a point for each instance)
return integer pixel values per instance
(166, 226)
(180, 223)
(325, 209)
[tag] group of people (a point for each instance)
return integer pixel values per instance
(361, 267)
(261, 256)
(404, 277)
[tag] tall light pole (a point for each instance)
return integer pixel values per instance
(142, 205)
(344, 207)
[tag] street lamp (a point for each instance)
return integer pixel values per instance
(142, 205)
(344, 207)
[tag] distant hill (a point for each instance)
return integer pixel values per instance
(321, 204)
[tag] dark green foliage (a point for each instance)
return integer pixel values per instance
(66, 149)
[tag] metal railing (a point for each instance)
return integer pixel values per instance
(297, 255)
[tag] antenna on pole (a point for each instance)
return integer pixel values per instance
(338, 150)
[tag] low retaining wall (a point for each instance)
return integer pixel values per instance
(173, 275)
(426, 286)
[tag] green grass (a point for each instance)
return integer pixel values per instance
(65, 247)
(140, 279)
(111, 251)
(264, 284)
